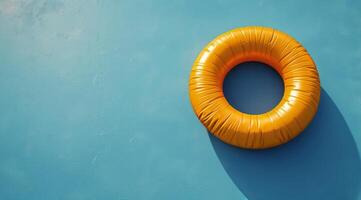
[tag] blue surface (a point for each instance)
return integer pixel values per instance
(253, 87)
(94, 102)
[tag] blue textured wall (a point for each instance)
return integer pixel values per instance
(94, 102)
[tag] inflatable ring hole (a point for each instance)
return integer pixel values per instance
(253, 87)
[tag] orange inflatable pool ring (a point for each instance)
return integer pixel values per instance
(288, 57)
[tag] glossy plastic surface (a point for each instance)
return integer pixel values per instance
(288, 57)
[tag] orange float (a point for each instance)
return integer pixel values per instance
(269, 46)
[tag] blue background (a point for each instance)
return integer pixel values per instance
(94, 102)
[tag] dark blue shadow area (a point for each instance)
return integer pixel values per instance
(321, 163)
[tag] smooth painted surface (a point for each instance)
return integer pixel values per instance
(94, 101)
